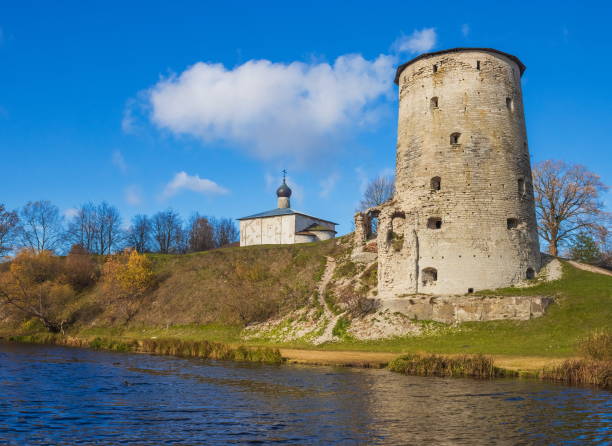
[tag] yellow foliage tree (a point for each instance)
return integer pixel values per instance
(126, 279)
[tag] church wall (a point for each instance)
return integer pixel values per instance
(268, 231)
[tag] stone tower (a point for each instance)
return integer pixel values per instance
(463, 215)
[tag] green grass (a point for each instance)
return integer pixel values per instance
(584, 304)
(476, 366)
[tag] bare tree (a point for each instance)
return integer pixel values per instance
(40, 226)
(378, 191)
(8, 225)
(226, 232)
(139, 233)
(201, 233)
(108, 228)
(167, 231)
(83, 227)
(567, 200)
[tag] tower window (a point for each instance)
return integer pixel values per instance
(530, 273)
(434, 102)
(436, 183)
(478, 65)
(435, 68)
(434, 223)
(454, 138)
(512, 223)
(430, 276)
(509, 104)
(521, 187)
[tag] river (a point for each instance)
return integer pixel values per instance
(59, 395)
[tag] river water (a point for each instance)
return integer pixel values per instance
(59, 395)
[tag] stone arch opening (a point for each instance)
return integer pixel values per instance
(454, 138)
(478, 65)
(521, 187)
(530, 273)
(470, 290)
(434, 102)
(429, 276)
(372, 225)
(512, 223)
(435, 183)
(509, 104)
(435, 68)
(434, 223)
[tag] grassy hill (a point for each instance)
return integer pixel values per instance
(213, 295)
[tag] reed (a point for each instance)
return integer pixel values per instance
(590, 372)
(172, 347)
(597, 345)
(476, 366)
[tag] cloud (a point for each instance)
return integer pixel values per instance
(70, 212)
(119, 161)
(133, 195)
(465, 30)
(328, 184)
(273, 109)
(183, 181)
(418, 42)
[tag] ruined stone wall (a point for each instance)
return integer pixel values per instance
(463, 217)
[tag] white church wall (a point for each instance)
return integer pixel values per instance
(268, 231)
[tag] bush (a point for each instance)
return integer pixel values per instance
(583, 371)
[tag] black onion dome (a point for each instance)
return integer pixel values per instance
(283, 190)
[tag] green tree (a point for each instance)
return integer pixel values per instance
(584, 248)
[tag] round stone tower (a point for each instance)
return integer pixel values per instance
(463, 215)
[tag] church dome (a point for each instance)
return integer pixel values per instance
(283, 190)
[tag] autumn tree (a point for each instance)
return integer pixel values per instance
(378, 191)
(33, 286)
(40, 226)
(8, 225)
(567, 200)
(201, 233)
(126, 278)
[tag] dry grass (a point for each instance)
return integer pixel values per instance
(171, 347)
(476, 366)
(581, 372)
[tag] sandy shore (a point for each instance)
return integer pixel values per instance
(380, 359)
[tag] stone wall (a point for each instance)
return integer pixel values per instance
(451, 309)
(463, 216)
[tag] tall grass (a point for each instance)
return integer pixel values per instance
(172, 347)
(597, 345)
(476, 366)
(581, 372)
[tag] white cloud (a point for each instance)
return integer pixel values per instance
(328, 184)
(465, 30)
(418, 42)
(119, 161)
(133, 195)
(70, 212)
(363, 179)
(273, 109)
(183, 181)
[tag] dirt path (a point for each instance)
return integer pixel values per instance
(327, 335)
(590, 268)
(380, 359)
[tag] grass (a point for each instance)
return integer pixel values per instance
(583, 304)
(476, 366)
(581, 372)
(173, 347)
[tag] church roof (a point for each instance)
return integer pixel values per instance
(282, 211)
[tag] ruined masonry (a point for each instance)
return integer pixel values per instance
(463, 216)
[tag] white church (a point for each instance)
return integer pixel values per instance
(283, 225)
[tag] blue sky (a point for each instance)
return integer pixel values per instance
(198, 106)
